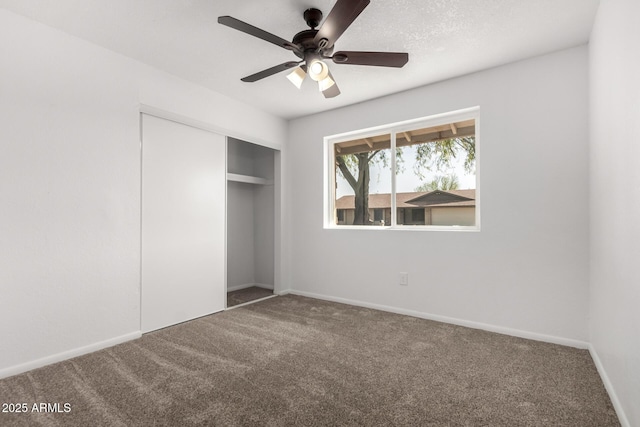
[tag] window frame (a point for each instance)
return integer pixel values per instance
(329, 182)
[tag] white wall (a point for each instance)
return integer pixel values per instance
(527, 269)
(70, 187)
(264, 220)
(615, 201)
(240, 235)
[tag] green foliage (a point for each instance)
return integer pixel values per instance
(439, 156)
(384, 157)
(440, 182)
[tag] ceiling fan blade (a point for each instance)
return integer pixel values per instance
(341, 16)
(236, 24)
(380, 59)
(269, 71)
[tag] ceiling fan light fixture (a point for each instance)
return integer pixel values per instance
(318, 70)
(328, 87)
(297, 77)
(325, 83)
(312, 47)
(332, 92)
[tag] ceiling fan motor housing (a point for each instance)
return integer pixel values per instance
(312, 17)
(305, 40)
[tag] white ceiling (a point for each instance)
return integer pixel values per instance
(444, 39)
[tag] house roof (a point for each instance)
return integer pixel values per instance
(437, 198)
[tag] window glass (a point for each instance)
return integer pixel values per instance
(420, 173)
(363, 181)
(435, 179)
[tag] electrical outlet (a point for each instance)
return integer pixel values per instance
(404, 279)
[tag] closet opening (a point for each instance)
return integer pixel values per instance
(250, 222)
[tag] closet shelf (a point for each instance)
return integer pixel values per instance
(248, 179)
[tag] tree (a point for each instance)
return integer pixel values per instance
(430, 156)
(361, 184)
(440, 182)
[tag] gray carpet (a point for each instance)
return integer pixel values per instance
(242, 296)
(294, 361)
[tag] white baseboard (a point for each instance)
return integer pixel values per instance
(24, 367)
(460, 322)
(248, 285)
(622, 417)
(251, 302)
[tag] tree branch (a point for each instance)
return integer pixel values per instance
(346, 173)
(373, 155)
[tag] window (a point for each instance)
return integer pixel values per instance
(413, 217)
(355, 176)
(420, 174)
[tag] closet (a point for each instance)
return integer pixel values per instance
(250, 216)
(207, 221)
(183, 223)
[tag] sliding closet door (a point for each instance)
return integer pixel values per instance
(183, 223)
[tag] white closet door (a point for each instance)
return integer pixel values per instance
(183, 223)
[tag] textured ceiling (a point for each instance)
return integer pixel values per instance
(444, 39)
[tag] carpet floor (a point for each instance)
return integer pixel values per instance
(295, 361)
(242, 296)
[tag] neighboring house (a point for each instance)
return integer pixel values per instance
(439, 207)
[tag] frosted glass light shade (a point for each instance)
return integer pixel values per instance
(318, 70)
(297, 76)
(325, 83)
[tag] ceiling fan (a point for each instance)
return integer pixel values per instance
(315, 45)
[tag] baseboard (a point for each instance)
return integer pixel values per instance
(248, 285)
(251, 302)
(452, 320)
(24, 367)
(622, 417)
